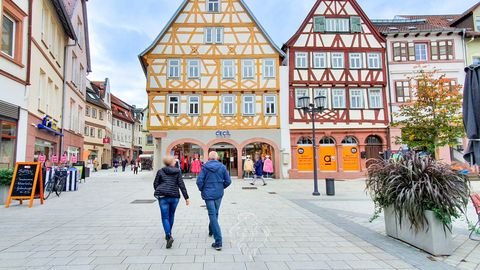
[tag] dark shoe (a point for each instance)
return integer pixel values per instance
(217, 246)
(252, 184)
(210, 234)
(264, 184)
(169, 242)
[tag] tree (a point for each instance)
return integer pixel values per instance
(433, 118)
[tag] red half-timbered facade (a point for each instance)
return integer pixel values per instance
(338, 53)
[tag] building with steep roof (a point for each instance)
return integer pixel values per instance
(122, 129)
(470, 21)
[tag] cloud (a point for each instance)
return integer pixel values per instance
(121, 29)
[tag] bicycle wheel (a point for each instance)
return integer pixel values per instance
(60, 186)
(49, 189)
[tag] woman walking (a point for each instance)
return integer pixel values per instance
(167, 184)
(258, 171)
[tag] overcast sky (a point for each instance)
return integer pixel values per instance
(121, 29)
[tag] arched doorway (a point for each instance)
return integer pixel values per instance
(373, 148)
(305, 154)
(350, 154)
(227, 154)
(328, 154)
(187, 154)
(261, 150)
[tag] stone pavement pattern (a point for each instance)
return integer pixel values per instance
(279, 226)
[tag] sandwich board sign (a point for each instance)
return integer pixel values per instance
(27, 183)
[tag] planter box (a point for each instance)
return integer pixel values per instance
(4, 194)
(433, 239)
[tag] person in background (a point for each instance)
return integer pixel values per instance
(167, 184)
(212, 181)
(124, 164)
(258, 171)
(135, 167)
(115, 165)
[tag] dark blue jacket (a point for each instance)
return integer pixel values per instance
(213, 179)
(258, 167)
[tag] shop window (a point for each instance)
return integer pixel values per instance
(45, 148)
(349, 140)
(304, 141)
(8, 143)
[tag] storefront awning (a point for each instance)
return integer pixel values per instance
(51, 130)
(120, 149)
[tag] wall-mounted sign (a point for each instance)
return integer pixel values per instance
(106, 140)
(328, 158)
(305, 158)
(351, 158)
(223, 134)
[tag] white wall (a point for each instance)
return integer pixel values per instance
(285, 148)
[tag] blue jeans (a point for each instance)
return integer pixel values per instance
(213, 207)
(167, 209)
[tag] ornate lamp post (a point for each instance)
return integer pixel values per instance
(318, 106)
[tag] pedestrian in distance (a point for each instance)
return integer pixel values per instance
(168, 184)
(258, 171)
(115, 165)
(124, 164)
(135, 168)
(212, 181)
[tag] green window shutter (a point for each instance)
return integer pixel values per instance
(356, 24)
(319, 24)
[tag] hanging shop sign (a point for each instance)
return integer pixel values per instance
(328, 158)
(27, 183)
(351, 158)
(305, 158)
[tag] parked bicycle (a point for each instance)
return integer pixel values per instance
(57, 184)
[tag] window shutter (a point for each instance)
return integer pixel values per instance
(319, 24)
(397, 52)
(435, 50)
(411, 51)
(450, 52)
(356, 24)
(404, 51)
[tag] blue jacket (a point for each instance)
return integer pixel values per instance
(213, 179)
(259, 167)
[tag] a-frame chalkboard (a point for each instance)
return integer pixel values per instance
(27, 183)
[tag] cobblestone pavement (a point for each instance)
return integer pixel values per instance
(280, 226)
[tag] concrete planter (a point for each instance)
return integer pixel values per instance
(4, 194)
(433, 239)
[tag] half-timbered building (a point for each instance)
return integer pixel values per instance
(213, 84)
(337, 53)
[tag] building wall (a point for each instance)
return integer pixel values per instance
(122, 136)
(94, 133)
(473, 50)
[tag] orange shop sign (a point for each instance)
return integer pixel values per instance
(328, 158)
(305, 158)
(351, 158)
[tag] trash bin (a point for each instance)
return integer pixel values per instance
(330, 185)
(87, 172)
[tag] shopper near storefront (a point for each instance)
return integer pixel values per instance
(258, 171)
(212, 181)
(115, 165)
(124, 164)
(167, 184)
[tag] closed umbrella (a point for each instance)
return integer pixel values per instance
(471, 114)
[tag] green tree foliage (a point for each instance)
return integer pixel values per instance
(433, 118)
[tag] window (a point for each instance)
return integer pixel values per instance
(80, 32)
(228, 69)
(92, 132)
(249, 105)
(81, 78)
(442, 50)
(100, 133)
(193, 68)
(213, 35)
(421, 52)
(149, 139)
(299, 93)
(228, 105)
(8, 35)
(356, 99)
(118, 123)
(374, 61)
(400, 52)
(74, 70)
(270, 104)
(477, 23)
(100, 115)
(194, 105)
(338, 99)
(248, 69)
(87, 111)
(319, 60)
(269, 69)
(173, 105)
(403, 91)
(42, 91)
(174, 68)
(337, 25)
(301, 60)
(213, 5)
(338, 60)
(355, 60)
(94, 113)
(375, 98)
(476, 60)
(318, 24)
(85, 131)
(322, 92)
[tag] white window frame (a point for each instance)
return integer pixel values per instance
(193, 68)
(268, 102)
(298, 95)
(375, 101)
(337, 25)
(319, 58)
(420, 56)
(213, 35)
(190, 103)
(301, 60)
(219, 35)
(323, 92)
(269, 69)
(228, 69)
(335, 57)
(172, 68)
(357, 98)
(248, 69)
(374, 60)
(231, 103)
(355, 60)
(339, 101)
(213, 4)
(252, 104)
(14, 34)
(169, 103)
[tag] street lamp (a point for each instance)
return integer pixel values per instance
(318, 106)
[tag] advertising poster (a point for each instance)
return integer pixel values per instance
(305, 158)
(328, 158)
(351, 158)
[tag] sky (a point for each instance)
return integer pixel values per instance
(121, 29)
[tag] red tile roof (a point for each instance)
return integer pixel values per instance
(438, 20)
(411, 25)
(121, 109)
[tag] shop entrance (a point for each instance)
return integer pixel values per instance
(263, 151)
(373, 149)
(189, 158)
(227, 155)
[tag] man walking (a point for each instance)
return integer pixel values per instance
(211, 182)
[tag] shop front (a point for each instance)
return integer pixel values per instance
(233, 148)
(43, 139)
(340, 154)
(9, 116)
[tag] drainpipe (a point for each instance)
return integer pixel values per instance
(29, 45)
(389, 139)
(64, 90)
(464, 35)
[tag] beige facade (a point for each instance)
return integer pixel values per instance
(148, 146)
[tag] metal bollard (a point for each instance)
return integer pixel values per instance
(330, 185)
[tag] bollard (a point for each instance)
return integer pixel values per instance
(330, 185)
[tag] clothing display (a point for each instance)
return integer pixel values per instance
(185, 164)
(196, 167)
(248, 167)
(268, 165)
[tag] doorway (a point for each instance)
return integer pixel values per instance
(373, 149)
(227, 154)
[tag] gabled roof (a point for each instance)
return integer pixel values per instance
(93, 96)
(439, 20)
(121, 109)
(64, 18)
(177, 13)
(398, 25)
(467, 13)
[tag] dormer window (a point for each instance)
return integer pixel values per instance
(213, 5)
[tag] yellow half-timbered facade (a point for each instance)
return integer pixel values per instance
(213, 83)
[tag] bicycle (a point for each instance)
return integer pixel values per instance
(57, 184)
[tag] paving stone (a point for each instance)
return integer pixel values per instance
(108, 260)
(144, 259)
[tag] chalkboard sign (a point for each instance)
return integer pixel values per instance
(26, 183)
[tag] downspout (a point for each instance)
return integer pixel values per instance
(464, 35)
(64, 90)
(29, 45)
(389, 138)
